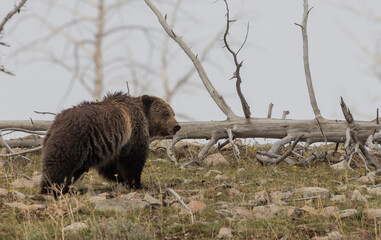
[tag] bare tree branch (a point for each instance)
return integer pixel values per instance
(236, 75)
(307, 70)
(17, 9)
(219, 100)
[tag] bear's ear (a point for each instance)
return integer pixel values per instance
(147, 100)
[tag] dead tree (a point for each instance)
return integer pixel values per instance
(361, 134)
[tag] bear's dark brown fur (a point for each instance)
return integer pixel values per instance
(111, 136)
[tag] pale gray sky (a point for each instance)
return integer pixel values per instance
(272, 71)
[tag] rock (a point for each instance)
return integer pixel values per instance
(338, 198)
(347, 213)
(295, 212)
(153, 201)
(342, 188)
(224, 233)
(3, 192)
(234, 192)
(212, 171)
(23, 183)
(340, 166)
(77, 226)
(261, 198)
(36, 179)
(373, 213)
(120, 205)
(330, 211)
(236, 212)
(196, 206)
(357, 196)
(131, 196)
(266, 212)
(97, 198)
(310, 210)
(221, 177)
(335, 236)
(17, 205)
(277, 197)
(314, 191)
(215, 160)
(262, 182)
(240, 170)
(375, 190)
(187, 181)
(18, 194)
(369, 179)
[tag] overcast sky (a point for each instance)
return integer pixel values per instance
(272, 70)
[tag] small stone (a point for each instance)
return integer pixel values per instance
(234, 192)
(266, 212)
(262, 182)
(240, 170)
(335, 236)
(330, 211)
(338, 198)
(18, 194)
(224, 233)
(357, 196)
(209, 173)
(96, 198)
(347, 213)
(261, 198)
(295, 212)
(196, 206)
(131, 196)
(314, 191)
(373, 213)
(340, 166)
(3, 192)
(17, 205)
(220, 177)
(375, 190)
(369, 179)
(216, 159)
(310, 210)
(342, 188)
(218, 194)
(151, 200)
(2, 163)
(77, 226)
(23, 183)
(187, 181)
(241, 212)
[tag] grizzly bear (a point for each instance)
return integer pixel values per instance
(111, 136)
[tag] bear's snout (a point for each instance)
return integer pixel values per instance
(176, 128)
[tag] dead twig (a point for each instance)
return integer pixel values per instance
(181, 201)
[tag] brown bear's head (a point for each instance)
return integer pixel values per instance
(161, 118)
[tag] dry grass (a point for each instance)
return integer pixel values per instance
(167, 223)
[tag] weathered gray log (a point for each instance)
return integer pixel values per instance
(36, 125)
(334, 130)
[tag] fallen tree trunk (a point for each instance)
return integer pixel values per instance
(333, 130)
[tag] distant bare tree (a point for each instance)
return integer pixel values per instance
(100, 46)
(6, 19)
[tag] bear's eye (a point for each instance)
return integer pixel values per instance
(167, 115)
